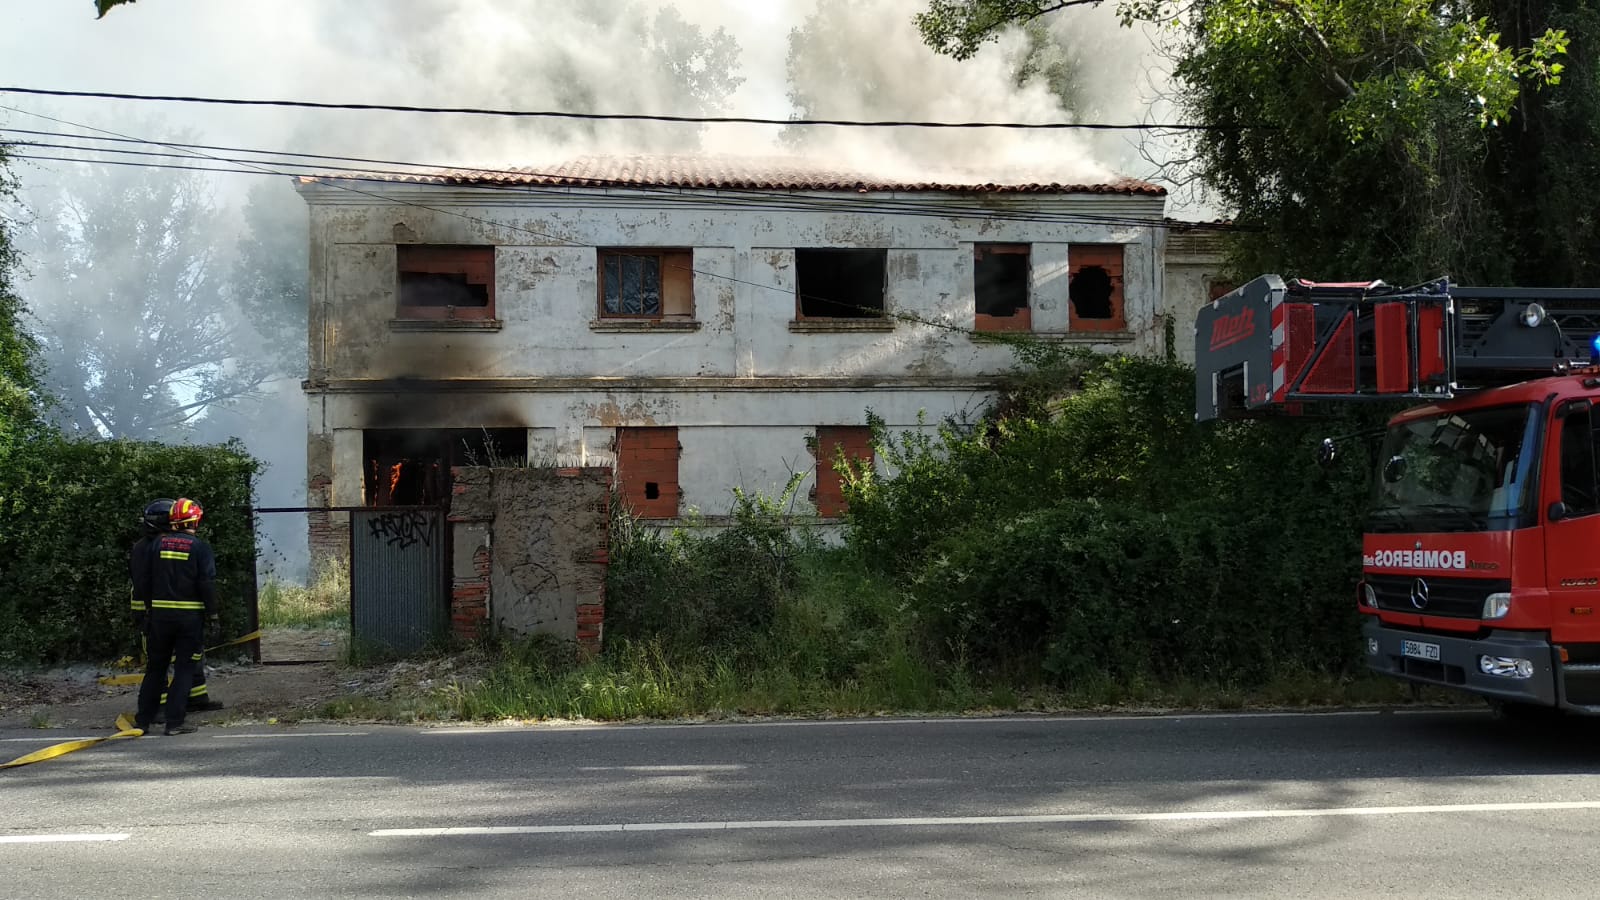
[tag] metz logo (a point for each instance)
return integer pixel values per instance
(1230, 330)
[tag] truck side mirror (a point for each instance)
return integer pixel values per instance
(1327, 453)
(1558, 511)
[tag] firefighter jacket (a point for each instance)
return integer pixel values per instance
(140, 571)
(183, 572)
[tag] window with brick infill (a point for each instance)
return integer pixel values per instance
(445, 282)
(647, 471)
(1094, 287)
(854, 443)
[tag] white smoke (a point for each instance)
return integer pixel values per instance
(585, 56)
(863, 59)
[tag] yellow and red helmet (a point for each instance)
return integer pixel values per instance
(186, 513)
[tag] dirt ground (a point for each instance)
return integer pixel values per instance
(298, 675)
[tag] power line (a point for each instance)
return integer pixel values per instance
(619, 117)
(683, 197)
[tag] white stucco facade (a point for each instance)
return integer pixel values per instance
(744, 380)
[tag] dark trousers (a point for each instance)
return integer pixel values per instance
(174, 640)
(198, 691)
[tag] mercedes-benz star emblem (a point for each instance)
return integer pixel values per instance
(1419, 594)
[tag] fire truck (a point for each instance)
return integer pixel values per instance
(1481, 552)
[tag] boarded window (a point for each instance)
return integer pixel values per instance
(445, 282)
(841, 284)
(1000, 287)
(647, 471)
(646, 284)
(854, 443)
(1094, 287)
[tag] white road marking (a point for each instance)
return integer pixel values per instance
(58, 838)
(668, 770)
(1064, 819)
(50, 739)
(304, 734)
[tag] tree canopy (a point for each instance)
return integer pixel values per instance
(18, 352)
(137, 332)
(1401, 139)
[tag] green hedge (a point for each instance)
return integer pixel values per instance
(69, 512)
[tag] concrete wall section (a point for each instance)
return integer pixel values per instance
(529, 551)
(1195, 265)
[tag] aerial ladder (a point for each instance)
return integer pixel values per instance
(1481, 550)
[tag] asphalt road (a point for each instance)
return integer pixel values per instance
(1418, 805)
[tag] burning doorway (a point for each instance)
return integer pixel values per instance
(411, 466)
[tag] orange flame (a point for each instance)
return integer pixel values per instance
(394, 479)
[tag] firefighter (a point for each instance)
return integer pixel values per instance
(182, 569)
(156, 520)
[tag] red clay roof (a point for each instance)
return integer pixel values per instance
(742, 173)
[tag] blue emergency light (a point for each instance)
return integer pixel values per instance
(1594, 350)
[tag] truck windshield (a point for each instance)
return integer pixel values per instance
(1465, 471)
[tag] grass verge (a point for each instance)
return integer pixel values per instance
(638, 680)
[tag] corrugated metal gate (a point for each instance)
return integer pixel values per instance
(397, 577)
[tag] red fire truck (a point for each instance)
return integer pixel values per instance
(1481, 553)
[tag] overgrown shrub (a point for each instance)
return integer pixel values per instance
(69, 513)
(695, 592)
(1095, 530)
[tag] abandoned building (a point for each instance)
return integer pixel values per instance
(694, 324)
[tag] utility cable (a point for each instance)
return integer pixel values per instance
(620, 117)
(681, 196)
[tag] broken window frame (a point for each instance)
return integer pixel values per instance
(1021, 318)
(1108, 257)
(474, 262)
(674, 281)
(882, 314)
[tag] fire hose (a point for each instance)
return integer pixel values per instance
(124, 723)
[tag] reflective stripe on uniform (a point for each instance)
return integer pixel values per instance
(177, 604)
(174, 554)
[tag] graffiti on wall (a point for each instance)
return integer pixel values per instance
(402, 529)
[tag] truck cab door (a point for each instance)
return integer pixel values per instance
(1572, 524)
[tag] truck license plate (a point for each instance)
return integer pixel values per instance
(1419, 650)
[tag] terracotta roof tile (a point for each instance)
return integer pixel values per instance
(744, 173)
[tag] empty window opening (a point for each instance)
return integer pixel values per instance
(652, 490)
(411, 466)
(429, 289)
(1090, 292)
(841, 284)
(1000, 279)
(445, 281)
(650, 284)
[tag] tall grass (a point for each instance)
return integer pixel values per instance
(324, 603)
(841, 642)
